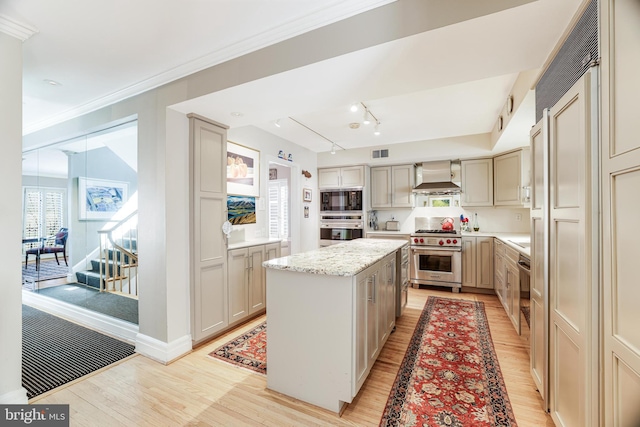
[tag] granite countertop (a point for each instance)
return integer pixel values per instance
(344, 259)
(248, 243)
(518, 241)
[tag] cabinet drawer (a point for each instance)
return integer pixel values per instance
(500, 247)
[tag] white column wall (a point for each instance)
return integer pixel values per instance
(11, 390)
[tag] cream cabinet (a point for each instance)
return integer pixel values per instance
(392, 186)
(247, 279)
(512, 178)
(374, 314)
(477, 182)
(345, 177)
(507, 281)
(477, 262)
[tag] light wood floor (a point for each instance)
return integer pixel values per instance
(199, 391)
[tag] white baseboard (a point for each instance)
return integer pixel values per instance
(117, 328)
(161, 351)
(15, 397)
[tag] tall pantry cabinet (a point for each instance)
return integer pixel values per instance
(564, 316)
(208, 210)
(620, 172)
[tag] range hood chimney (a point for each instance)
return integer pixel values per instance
(436, 179)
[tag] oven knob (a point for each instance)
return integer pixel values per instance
(441, 242)
(415, 240)
(448, 241)
(421, 240)
(455, 241)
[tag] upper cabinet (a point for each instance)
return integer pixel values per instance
(392, 186)
(346, 177)
(512, 178)
(477, 182)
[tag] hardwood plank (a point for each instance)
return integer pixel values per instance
(197, 390)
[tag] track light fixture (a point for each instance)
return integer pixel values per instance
(354, 108)
(277, 123)
(366, 119)
(333, 144)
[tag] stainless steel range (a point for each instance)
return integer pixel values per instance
(436, 251)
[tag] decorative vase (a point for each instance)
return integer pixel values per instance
(476, 225)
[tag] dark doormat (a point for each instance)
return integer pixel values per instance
(56, 351)
(114, 305)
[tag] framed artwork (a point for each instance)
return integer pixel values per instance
(306, 195)
(100, 199)
(273, 173)
(243, 170)
(241, 210)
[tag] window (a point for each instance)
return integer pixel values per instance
(44, 212)
(279, 208)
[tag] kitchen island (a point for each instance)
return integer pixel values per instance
(329, 313)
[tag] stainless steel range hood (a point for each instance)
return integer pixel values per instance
(436, 178)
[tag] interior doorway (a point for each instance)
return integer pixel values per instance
(279, 205)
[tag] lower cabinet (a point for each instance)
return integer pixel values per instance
(507, 281)
(374, 314)
(477, 262)
(247, 279)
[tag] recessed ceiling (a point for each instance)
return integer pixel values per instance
(446, 82)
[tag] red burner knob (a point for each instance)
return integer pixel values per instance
(441, 242)
(455, 241)
(421, 240)
(448, 241)
(415, 240)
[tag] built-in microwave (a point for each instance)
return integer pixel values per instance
(341, 200)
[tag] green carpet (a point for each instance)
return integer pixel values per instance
(90, 298)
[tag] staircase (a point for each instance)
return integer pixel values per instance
(116, 268)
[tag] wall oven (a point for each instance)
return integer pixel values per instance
(341, 200)
(436, 254)
(340, 226)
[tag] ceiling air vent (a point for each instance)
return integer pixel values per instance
(377, 154)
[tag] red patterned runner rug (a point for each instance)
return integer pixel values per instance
(450, 374)
(248, 350)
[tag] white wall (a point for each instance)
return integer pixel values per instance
(305, 231)
(11, 390)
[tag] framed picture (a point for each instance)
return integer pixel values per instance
(243, 170)
(241, 210)
(273, 174)
(100, 199)
(306, 195)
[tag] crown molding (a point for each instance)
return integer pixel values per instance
(16, 29)
(337, 11)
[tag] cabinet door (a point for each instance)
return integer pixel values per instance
(238, 265)
(208, 201)
(507, 173)
(372, 318)
(484, 262)
(477, 182)
(381, 187)
(391, 294)
(469, 262)
(402, 183)
(272, 251)
(257, 289)
(329, 178)
(513, 294)
(362, 304)
(352, 176)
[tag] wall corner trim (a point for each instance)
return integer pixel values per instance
(161, 351)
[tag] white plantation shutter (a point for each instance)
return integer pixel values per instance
(44, 212)
(278, 208)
